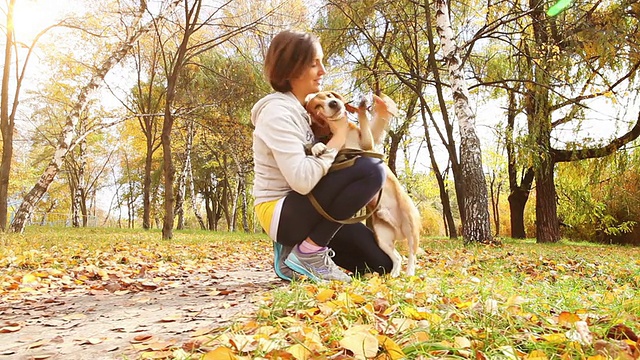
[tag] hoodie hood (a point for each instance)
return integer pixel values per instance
(284, 98)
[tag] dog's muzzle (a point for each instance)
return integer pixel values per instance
(338, 110)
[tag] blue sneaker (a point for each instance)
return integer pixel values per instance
(316, 266)
(280, 253)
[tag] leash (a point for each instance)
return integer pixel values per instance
(345, 158)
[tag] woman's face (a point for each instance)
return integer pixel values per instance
(309, 81)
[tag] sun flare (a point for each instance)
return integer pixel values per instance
(33, 16)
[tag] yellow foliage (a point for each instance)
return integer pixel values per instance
(391, 348)
(536, 355)
(220, 353)
(325, 295)
(360, 341)
(432, 224)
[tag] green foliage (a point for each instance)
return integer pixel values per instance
(597, 198)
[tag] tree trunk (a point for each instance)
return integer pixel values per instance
(189, 172)
(75, 208)
(496, 187)
(447, 214)
(539, 123)
(518, 197)
(6, 122)
(547, 224)
(181, 188)
(244, 205)
(80, 208)
(448, 140)
(209, 207)
(190, 26)
(518, 192)
(146, 185)
(477, 224)
(194, 204)
(67, 137)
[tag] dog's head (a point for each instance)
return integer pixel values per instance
(328, 105)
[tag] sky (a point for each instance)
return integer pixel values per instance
(31, 16)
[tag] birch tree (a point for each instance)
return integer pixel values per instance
(6, 121)
(69, 137)
(194, 21)
(401, 66)
(477, 225)
(8, 110)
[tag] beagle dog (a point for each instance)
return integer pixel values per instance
(332, 107)
(396, 217)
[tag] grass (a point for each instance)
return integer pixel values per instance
(519, 301)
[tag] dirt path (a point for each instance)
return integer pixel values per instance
(123, 325)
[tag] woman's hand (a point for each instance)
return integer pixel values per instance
(334, 130)
(339, 127)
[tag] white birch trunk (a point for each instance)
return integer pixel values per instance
(189, 174)
(67, 139)
(477, 225)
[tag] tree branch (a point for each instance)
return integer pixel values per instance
(615, 144)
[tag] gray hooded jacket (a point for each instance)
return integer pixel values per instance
(282, 129)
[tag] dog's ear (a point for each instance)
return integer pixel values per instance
(336, 95)
(350, 108)
(309, 98)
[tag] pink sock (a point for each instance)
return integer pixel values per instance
(306, 247)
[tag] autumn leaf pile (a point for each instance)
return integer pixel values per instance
(519, 301)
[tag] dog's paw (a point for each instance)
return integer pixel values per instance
(318, 149)
(363, 105)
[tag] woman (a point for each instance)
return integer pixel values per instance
(304, 242)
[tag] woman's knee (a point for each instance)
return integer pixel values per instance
(374, 168)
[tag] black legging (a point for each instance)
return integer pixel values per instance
(341, 193)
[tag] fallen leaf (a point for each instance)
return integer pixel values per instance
(567, 318)
(74, 316)
(279, 355)
(219, 353)
(10, 328)
(391, 348)
(29, 278)
(554, 338)
(192, 345)
(616, 349)
(140, 338)
(360, 341)
(171, 318)
(297, 351)
(536, 355)
(621, 332)
(41, 356)
(325, 295)
(91, 341)
(156, 354)
(460, 342)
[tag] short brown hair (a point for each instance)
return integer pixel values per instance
(290, 52)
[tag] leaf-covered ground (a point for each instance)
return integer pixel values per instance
(213, 296)
(110, 294)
